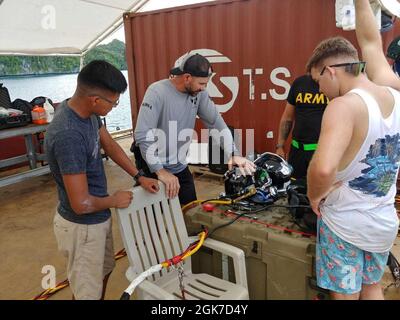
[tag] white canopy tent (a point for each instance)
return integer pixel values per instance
(64, 27)
(59, 27)
(72, 27)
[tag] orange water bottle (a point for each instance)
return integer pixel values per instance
(38, 115)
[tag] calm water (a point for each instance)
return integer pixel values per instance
(60, 87)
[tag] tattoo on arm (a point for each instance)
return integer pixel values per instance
(285, 129)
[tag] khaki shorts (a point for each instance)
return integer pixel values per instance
(90, 253)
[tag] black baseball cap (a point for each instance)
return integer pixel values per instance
(194, 64)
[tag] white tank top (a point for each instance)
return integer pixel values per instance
(362, 210)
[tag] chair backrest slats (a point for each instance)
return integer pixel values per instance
(149, 243)
(137, 231)
(129, 240)
(171, 231)
(179, 222)
(164, 240)
(155, 234)
(153, 230)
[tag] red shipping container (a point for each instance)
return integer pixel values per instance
(257, 48)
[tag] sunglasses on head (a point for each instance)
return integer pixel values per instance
(354, 68)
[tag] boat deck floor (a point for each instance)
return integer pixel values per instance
(27, 241)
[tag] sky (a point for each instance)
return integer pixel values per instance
(149, 6)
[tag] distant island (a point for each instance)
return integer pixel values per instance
(113, 52)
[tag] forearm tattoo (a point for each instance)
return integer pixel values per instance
(285, 129)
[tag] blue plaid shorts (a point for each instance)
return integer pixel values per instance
(342, 267)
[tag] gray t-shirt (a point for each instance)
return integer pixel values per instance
(174, 113)
(72, 146)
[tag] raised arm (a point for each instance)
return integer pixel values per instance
(370, 42)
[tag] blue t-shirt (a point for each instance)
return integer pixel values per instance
(72, 146)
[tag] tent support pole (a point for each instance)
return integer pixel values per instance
(81, 62)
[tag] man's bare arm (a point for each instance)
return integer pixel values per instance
(82, 202)
(285, 126)
(286, 123)
(370, 42)
(335, 137)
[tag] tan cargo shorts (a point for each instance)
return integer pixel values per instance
(90, 253)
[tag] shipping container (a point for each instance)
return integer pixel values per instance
(256, 47)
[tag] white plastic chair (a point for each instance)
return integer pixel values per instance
(153, 230)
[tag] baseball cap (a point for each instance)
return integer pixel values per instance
(194, 64)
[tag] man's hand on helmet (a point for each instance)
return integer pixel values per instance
(246, 166)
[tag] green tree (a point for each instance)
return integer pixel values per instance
(113, 52)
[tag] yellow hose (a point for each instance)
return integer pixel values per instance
(252, 192)
(196, 202)
(191, 204)
(202, 239)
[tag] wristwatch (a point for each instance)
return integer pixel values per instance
(138, 175)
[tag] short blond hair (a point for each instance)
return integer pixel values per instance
(331, 47)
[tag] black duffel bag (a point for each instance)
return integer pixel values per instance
(5, 100)
(300, 205)
(11, 119)
(24, 106)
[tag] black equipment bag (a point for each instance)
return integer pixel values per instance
(394, 267)
(297, 196)
(14, 121)
(215, 148)
(5, 100)
(11, 120)
(24, 106)
(140, 163)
